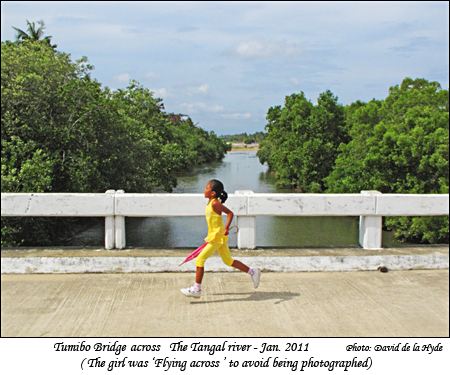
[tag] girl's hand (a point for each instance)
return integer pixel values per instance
(227, 231)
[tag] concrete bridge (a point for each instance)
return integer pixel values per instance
(78, 292)
(294, 304)
(370, 206)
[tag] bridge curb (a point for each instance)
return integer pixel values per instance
(113, 264)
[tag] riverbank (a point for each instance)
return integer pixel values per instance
(244, 147)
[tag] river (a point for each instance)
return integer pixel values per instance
(238, 171)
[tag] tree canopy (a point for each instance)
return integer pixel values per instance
(34, 33)
(61, 131)
(395, 145)
(302, 140)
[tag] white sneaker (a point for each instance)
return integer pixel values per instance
(191, 292)
(256, 277)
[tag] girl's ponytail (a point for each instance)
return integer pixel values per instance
(223, 196)
(217, 187)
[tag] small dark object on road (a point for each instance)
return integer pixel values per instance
(382, 269)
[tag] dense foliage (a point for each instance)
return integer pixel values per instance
(395, 145)
(302, 141)
(62, 132)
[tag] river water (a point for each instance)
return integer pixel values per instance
(238, 171)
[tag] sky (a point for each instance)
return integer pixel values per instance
(226, 63)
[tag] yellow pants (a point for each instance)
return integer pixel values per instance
(208, 250)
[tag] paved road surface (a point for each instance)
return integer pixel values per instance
(303, 304)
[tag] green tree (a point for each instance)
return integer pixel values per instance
(52, 114)
(145, 134)
(399, 145)
(62, 132)
(348, 174)
(302, 140)
(34, 33)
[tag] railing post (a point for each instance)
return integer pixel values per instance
(370, 227)
(109, 227)
(119, 223)
(246, 237)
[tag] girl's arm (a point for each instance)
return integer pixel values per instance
(218, 208)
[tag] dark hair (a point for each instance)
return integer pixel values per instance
(217, 187)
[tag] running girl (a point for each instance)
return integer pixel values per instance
(217, 238)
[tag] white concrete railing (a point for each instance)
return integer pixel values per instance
(370, 206)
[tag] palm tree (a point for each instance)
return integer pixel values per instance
(33, 33)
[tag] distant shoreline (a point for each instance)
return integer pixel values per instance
(243, 147)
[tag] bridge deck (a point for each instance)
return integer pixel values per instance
(308, 304)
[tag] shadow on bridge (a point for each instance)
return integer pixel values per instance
(251, 296)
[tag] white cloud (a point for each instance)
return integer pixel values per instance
(252, 49)
(237, 116)
(202, 107)
(203, 88)
(124, 78)
(216, 108)
(265, 49)
(197, 107)
(161, 92)
(195, 90)
(150, 76)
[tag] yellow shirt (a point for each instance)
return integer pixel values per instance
(216, 228)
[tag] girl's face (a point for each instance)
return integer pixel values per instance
(208, 193)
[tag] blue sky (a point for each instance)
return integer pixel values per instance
(225, 64)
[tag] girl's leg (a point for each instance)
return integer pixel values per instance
(207, 251)
(199, 274)
(195, 290)
(225, 254)
(240, 266)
